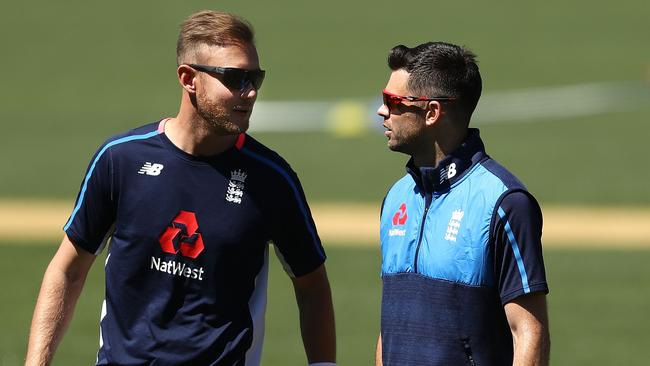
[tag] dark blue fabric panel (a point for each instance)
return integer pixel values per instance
(503, 174)
(290, 223)
(519, 261)
(433, 322)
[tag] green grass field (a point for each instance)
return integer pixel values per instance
(598, 313)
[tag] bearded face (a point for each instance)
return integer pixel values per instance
(225, 109)
(219, 115)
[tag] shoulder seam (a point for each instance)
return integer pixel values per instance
(94, 163)
(495, 212)
(283, 171)
(508, 185)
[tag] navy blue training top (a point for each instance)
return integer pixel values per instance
(186, 271)
(458, 242)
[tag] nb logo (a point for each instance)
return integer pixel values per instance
(151, 169)
(451, 170)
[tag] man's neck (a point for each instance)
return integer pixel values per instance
(439, 150)
(195, 137)
(429, 158)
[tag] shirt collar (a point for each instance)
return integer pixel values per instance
(450, 169)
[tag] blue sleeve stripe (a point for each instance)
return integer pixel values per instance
(515, 249)
(296, 193)
(92, 168)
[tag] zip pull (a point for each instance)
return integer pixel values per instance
(428, 198)
(468, 351)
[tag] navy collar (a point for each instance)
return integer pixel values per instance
(450, 169)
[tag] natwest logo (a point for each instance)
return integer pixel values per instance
(181, 235)
(400, 216)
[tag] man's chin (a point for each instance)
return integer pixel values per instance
(240, 122)
(392, 146)
(242, 127)
(228, 127)
(400, 148)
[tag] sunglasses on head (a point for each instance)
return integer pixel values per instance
(393, 100)
(234, 78)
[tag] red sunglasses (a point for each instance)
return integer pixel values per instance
(393, 100)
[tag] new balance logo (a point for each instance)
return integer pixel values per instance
(151, 169)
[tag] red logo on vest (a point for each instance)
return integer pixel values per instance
(182, 234)
(400, 216)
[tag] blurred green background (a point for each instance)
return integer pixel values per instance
(76, 72)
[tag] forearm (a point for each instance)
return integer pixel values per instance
(378, 357)
(528, 320)
(317, 326)
(54, 308)
(314, 299)
(531, 348)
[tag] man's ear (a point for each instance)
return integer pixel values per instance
(187, 78)
(434, 112)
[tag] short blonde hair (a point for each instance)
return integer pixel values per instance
(211, 28)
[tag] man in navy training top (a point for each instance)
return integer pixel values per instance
(462, 268)
(189, 205)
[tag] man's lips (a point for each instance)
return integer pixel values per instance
(242, 109)
(388, 131)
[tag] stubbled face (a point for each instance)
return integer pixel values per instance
(226, 111)
(405, 122)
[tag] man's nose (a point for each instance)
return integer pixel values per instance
(249, 91)
(383, 111)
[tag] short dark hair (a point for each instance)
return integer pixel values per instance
(439, 69)
(212, 28)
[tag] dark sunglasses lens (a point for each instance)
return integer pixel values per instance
(234, 78)
(256, 78)
(239, 79)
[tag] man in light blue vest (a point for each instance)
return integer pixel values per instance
(462, 268)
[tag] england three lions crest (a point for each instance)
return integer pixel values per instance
(454, 225)
(235, 189)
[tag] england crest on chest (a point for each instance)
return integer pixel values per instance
(454, 225)
(235, 189)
